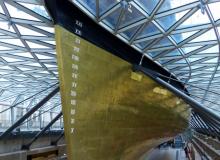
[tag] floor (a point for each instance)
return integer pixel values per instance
(166, 154)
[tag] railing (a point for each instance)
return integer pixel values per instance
(209, 146)
(215, 143)
(31, 125)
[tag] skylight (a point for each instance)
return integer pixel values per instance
(180, 35)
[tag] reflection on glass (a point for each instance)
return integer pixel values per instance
(131, 15)
(142, 45)
(147, 5)
(90, 5)
(16, 13)
(167, 21)
(104, 5)
(174, 53)
(149, 29)
(214, 7)
(171, 4)
(182, 36)
(196, 19)
(162, 43)
(214, 49)
(1, 10)
(16, 42)
(36, 8)
(207, 36)
(190, 49)
(130, 32)
(112, 19)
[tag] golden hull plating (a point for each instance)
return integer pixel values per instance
(110, 112)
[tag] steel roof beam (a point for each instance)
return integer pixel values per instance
(27, 146)
(29, 113)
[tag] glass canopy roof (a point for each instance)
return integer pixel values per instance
(180, 35)
(28, 68)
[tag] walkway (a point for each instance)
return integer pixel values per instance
(166, 154)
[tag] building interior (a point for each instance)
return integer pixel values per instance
(109, 80)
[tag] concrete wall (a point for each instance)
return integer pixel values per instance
(15, 144)
(23, 155)
(20, 155)
(10, 148)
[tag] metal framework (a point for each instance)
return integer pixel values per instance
(29, 113)
(202, 119)
(205, 125)
(27, 146)
(28, 67)
(181, 36)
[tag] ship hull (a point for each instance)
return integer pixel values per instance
(109, 111)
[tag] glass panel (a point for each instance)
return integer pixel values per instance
(16, 42)
(14, 12)
(24, 54)
(131, 15)
(37, 9)
(206, 76)
(147, 5)
(154, 54)
(6, 67)
(207, 36)
(190, 49)
(214, 49)
(194, 59)
(171, 4)
(217, 75)
(50, 42)
(43, 56)
(1, 10)
(163, 61)
(35, 64)
(214, 7)
(112, 19)
(142, 45)
(24, 69)
(2, 48)
(104, 5)
(48, 29)
(50, 65)
(90, 5)
(162, 43)
(196, 19)
(210, 69)
(174, 53)
(35, 45)
(182, 61)
(26, 31)
(167, 21)
(149, 30)
(130, 32)
(214, 60)
(5, 25)
(182, 36)
(171, 67)
(10, 59)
